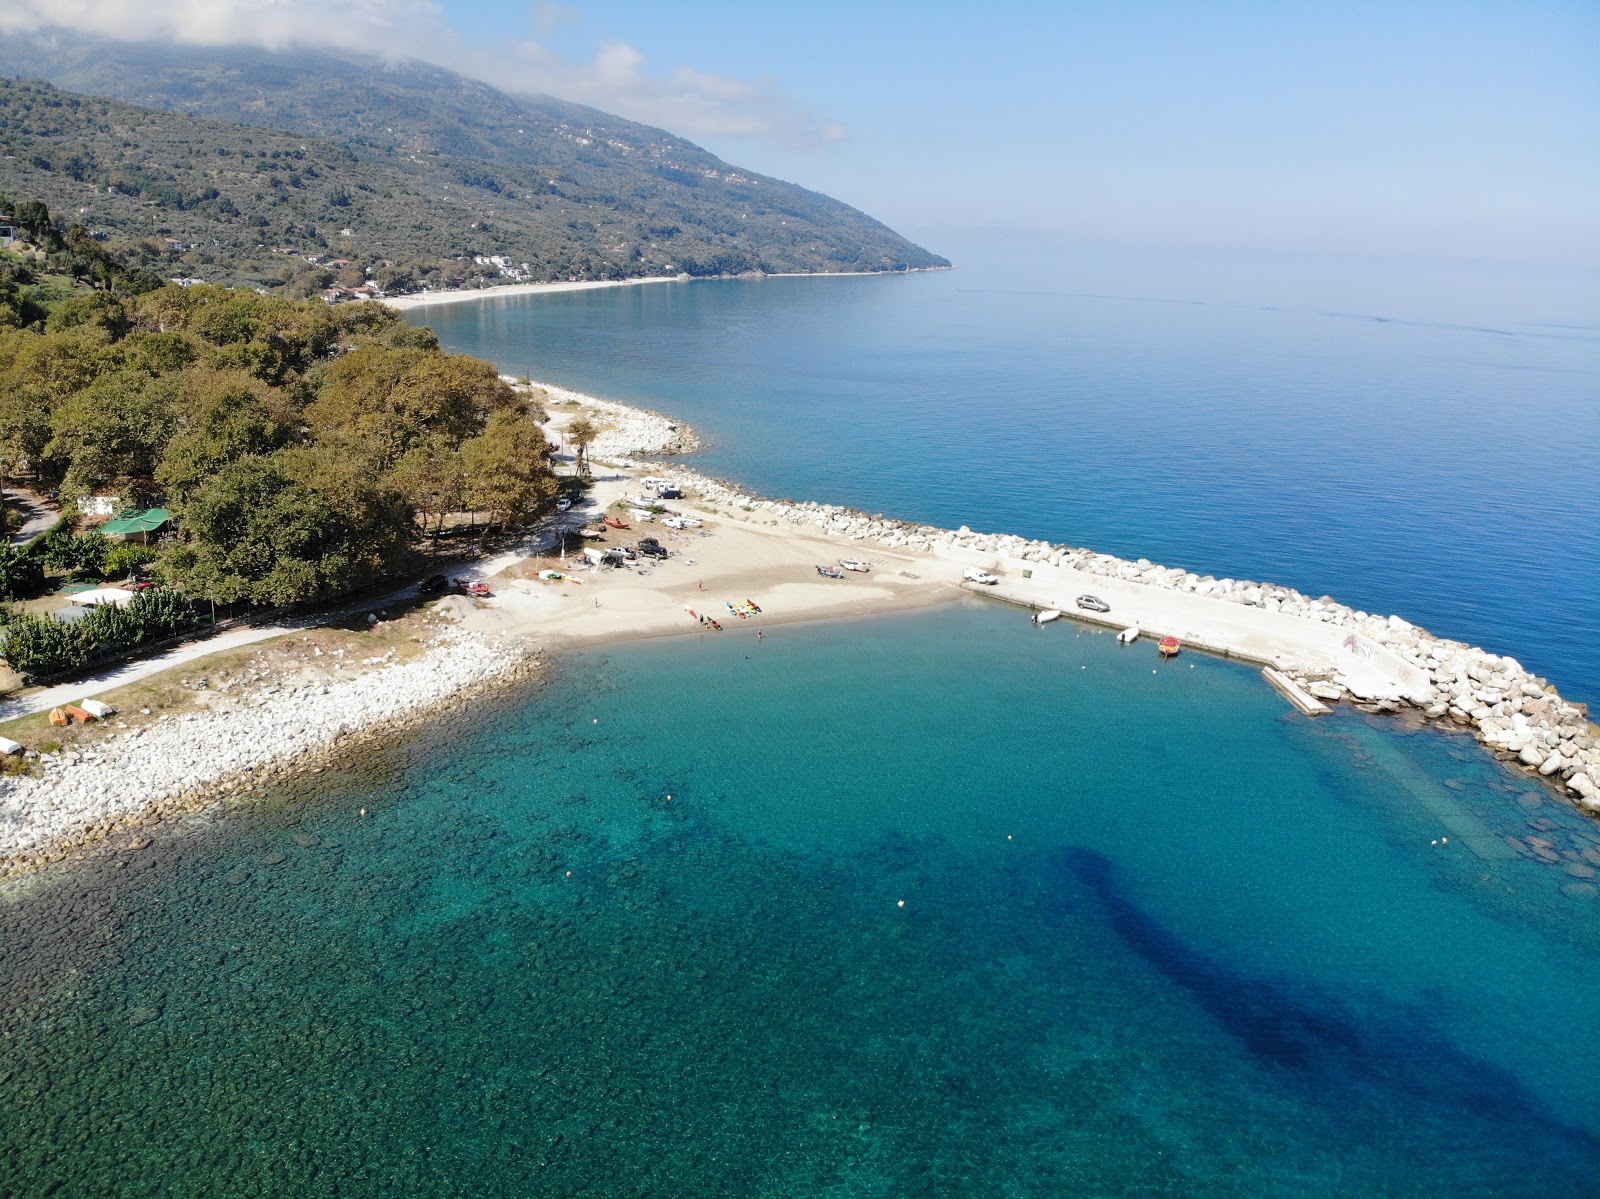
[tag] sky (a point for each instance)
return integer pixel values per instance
(1460, 131)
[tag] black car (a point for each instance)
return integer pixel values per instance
(433, 585)
(670, 493)
(651, 549)
(1094, 603)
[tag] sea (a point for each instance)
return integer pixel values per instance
(935, 904)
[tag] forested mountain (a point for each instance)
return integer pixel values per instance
(249, 148)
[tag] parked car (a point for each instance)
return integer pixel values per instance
(1093, 603)
(670, 493)
(651, 550)
(973, 575)
(680, 522)
(433, 585)
(563, 503)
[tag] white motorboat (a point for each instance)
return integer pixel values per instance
(1129, 636)
(855, 564)
(1046, 615)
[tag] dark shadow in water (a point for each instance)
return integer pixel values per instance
(1320, 1042)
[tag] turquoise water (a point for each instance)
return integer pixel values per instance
(641, 932)
(1408, 438)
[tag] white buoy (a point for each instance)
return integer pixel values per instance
(901, 904)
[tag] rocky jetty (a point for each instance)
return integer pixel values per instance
(269, 731)
(1517, 715)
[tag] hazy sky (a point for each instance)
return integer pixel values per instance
(1457, 130)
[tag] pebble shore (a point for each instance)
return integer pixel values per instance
(266, 731)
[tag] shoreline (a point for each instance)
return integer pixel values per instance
(754, 546)
(460, 295)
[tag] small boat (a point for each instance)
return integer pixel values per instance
(555, 576)
(830, 572)
(713, 624)
(1129, 636)
(1046, 615)
(1169, 647)
(752, 605)
(78, 714)
(591, 532)
(739, 612)
(855, 564)
(614, 523)
(480, 590)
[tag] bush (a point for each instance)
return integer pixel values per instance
(64, 550)
(122, 559)
(41, 646)
(20, 573)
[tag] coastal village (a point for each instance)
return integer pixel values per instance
(294, 696)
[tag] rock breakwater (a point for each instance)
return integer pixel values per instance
(1515, 713)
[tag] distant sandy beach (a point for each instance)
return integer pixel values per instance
(460, 295)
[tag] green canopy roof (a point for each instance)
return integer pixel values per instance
(147, 521)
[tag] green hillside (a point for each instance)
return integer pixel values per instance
(423, 166)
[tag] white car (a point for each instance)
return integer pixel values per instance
(563, 504)
(680, 522)
(973, 575)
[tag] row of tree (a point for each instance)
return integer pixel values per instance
(42, 647)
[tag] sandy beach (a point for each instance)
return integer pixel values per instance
(459, 295)
(265, 720)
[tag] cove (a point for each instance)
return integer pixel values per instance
(640, 931)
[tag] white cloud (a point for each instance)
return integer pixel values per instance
(685, 101)
(387, 26)
(617, 78)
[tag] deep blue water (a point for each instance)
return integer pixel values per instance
(1420, 440)
(941, 904)
(934, 905)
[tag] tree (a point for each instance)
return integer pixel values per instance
(229, 423)
(582, 433)
(257, 531)
(382, 403)
(112, 435)
(433, 478)
(506, 471)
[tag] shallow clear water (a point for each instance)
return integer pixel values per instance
(640, 933)
(1420, 440)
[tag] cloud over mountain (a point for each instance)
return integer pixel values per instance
(617, 78)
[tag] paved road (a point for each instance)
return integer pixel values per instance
(39, 515)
